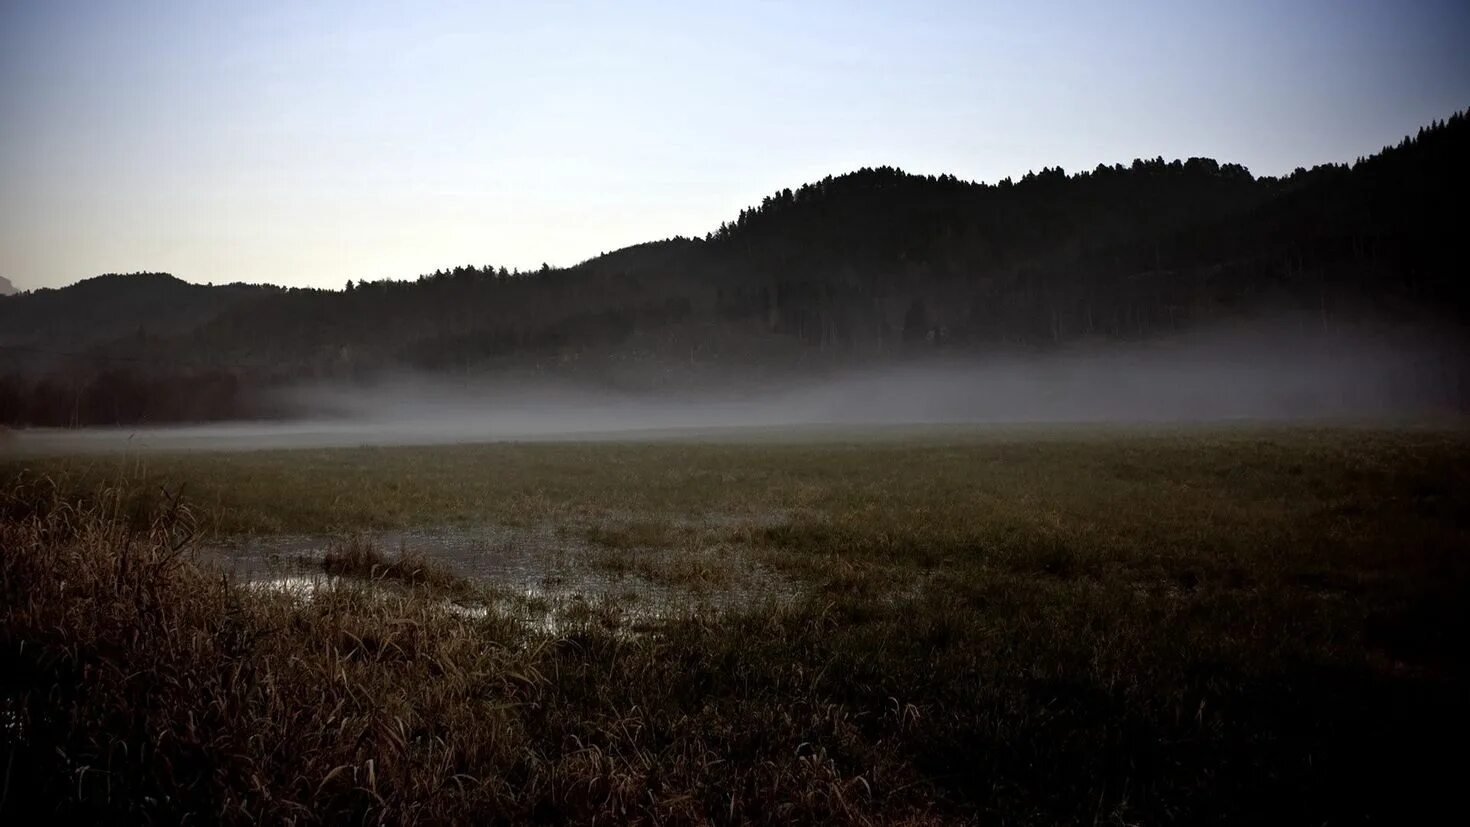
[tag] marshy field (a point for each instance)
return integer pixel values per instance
(1022, 625)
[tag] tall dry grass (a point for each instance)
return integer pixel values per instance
(138, 688)
(1140, 633)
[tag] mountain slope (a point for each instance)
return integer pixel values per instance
(109, 307)
(850, 268)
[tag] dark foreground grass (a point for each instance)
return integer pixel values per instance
(1237, 627)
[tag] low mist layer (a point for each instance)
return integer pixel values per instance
(1273, 372)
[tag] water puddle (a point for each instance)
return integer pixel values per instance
(548, 577)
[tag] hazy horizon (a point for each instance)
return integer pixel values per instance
(1266, 371)
(307, 146)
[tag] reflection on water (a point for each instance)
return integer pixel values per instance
(545, 576)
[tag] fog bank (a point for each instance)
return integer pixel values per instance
(1266, 374)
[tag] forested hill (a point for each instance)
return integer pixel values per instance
(862, 266)
(103, 309)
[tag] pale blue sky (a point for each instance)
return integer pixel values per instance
(308, 143)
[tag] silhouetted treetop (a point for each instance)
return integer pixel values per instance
(876, 261)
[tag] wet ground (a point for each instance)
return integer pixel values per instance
(549, 576)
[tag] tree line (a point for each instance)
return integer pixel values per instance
(874, 263)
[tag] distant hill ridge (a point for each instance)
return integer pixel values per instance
(106, 308)
(850, 268)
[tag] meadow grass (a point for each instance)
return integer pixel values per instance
(1026, 626)
(356, 556)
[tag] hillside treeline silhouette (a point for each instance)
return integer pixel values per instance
(870, 265)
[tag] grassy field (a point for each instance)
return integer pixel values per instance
(1017, 626)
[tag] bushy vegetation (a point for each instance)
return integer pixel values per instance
(1049, 627)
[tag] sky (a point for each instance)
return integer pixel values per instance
(306, 144)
